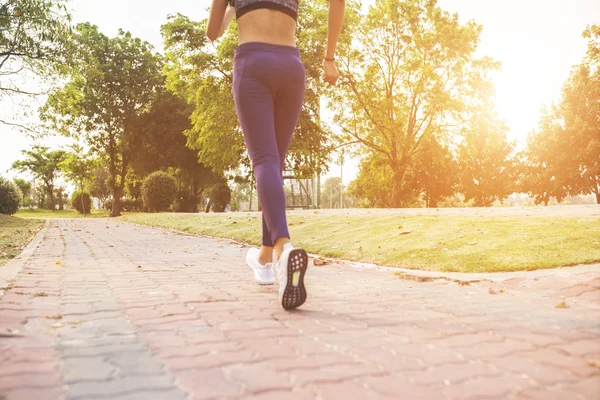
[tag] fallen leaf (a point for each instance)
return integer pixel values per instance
(444, 249)
(57, 325)
(319, 261)
(406, 232)
(139, 266)
(400, 227)
(472, 243)
(595, 363)
(461, 236)
(492, 291)
(562, 304)
(57, 262)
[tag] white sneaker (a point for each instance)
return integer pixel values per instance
(291, 268)
(262, 273)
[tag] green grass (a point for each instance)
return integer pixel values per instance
(41, 213)
(436, 242)
(15, 233)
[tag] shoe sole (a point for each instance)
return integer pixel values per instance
(295, 296)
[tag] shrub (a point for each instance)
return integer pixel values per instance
(219, 195)
(158, 191)
(82, 201)
(186, 202)
(131, 205)
(10, 197)
(108, 204)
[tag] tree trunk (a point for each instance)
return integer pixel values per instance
(116, 203)
(597, 197)
(397, 188)
(50, 195)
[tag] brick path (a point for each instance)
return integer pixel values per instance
(103, 309)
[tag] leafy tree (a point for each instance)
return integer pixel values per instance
(78, 168)
(42, 164)
(486, 166)
(33, 35)
(99, 183)
(331, 192)
(373, 184)
(25, 188)
(562, 157)
(411, 75)
(111, 81)
(163, 147)
(10, 197)
(433, 173)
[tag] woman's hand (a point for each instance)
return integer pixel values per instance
(330, 72)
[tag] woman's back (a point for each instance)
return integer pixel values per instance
(267, 26)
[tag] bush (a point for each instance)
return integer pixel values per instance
(158, 191)
(131, 205)
(219, 195)
(82, 201)
(186, 202)
(10, 197)
(108, 204)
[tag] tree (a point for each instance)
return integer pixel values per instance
(373, 184)
(331, 193)
(42, 164)
(433, 173)
(410, 75)
(162, 146)
(25, 188)
(78, 168)
(562, 157)
(33, 35)
(111, 81)
(485, 162)
(99, 183)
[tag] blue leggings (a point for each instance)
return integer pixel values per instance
(268, 88)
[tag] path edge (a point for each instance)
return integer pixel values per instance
(11, 269)
(417, 275)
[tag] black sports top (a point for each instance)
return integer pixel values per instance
(289, 7)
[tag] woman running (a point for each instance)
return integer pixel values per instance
(268, 89)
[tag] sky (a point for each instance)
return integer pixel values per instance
(537, 42)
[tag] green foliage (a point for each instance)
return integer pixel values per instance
(219, 195)
(25, 188)
(331, 194)
(486, 166)
(78, 167)
(99, 182)
(43, 164)
(33, 36)
(110, 83)
(562, 156)
(158, 191)
(82, 201)
(132, 205)
(418, 79)
(10, 197)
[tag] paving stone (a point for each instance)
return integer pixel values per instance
(134, 312)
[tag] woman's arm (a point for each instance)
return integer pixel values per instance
(219, 18)
(337, 9)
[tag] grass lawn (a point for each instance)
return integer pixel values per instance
(456, 243)
(41, 213)
(15, 233)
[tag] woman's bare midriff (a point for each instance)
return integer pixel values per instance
(267, 26)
